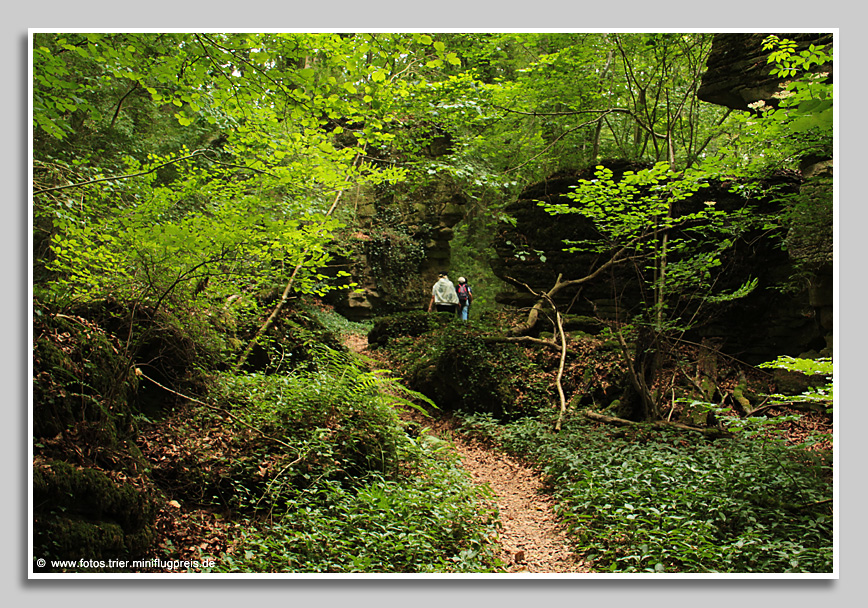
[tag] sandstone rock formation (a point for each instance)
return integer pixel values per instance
(767, 323)
(738, 74)
(401, 244)
(758, 327)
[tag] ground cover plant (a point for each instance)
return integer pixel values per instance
(350, 490)
(431, 522)
(660, 500)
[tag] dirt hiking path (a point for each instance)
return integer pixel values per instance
(532, 539)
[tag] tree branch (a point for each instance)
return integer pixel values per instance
(659, 424)
(286, 291)
(120, 177)
(559, 327)
(527, 339)
(558, 138)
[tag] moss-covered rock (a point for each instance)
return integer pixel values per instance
(82, 513)
(413, 323)
(459, 369)
(79, 375)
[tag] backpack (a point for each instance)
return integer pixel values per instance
(463, 293)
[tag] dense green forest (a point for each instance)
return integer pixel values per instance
(234, 240)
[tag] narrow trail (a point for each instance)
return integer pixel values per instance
(532, 538)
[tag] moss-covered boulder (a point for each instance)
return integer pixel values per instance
(79, 375)
(91, 498)
(413, 323)
(460, 368)
(81, 513)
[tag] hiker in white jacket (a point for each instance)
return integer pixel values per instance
(443, 295)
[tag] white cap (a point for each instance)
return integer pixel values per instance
(462, 280)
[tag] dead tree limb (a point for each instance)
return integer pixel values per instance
(560, 376)
(618, 257)
(559, 329)
(814, 504)
(139, 372)
(658, 424)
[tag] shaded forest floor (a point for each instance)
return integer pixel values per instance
(532, 539)
(190, 462)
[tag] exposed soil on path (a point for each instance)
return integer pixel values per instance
(532, 538)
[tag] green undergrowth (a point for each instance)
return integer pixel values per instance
(338, 324)
(427, 522)
(345, 485)
(643, 500)
(460, 366)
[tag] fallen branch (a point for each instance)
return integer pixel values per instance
(659, 424)
(761, 408)
(558, 380)
(527, 340)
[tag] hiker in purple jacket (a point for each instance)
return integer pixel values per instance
(465, 298)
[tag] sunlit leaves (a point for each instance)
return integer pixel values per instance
(627, 209)
(234, 214)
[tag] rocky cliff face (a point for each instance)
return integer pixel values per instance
(400, 244)
(738, 74)
(759, 327)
